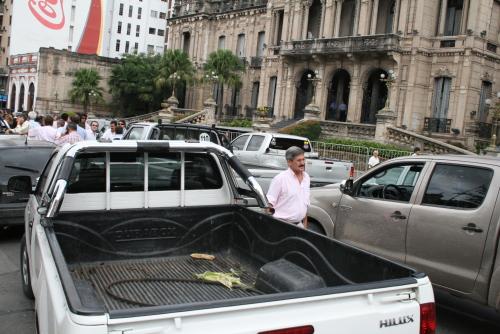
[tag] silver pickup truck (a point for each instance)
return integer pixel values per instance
(440, 214)
(267, 150)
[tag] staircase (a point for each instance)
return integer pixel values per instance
(283, 124)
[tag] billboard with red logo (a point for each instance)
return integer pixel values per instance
(76, 25)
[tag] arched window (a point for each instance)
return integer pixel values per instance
(374, 96)
(338, 96)
(21, 106)
(12, 99)
(31, 97)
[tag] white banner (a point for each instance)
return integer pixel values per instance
(62, 24)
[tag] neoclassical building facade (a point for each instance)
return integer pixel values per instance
(445, 56)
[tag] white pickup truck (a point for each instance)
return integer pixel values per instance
(127, 237)
(267, 150)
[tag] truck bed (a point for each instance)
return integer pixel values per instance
(124, 261)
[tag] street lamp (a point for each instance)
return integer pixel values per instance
(174, 76)
(388, 81)
(314, 78)
(92, 95)
(494, 119)
(212, 78)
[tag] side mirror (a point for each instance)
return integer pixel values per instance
(268, 150)
(20, 184)
(347, 187)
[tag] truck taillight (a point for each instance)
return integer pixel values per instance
(428, 318)
(292, 330)
(351, 172)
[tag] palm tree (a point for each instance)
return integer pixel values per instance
(86, 87)
(227, 68)
(132, 84)
(175, 65)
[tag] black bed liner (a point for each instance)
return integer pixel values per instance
(163, 281)
(94, 250)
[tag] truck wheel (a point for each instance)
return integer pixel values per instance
(25, 270)
(314, 226)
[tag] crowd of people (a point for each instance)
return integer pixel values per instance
(64, 129)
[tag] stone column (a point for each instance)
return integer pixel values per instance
(209, 107)
(338, 13)
(402, 19)
(465, 15)
(355, 96)
(472, 15)
(296, 23)
(275, 27)
(385, 118)
(329, 18)
(305, 22)
(357, 11)
(363, 18)
(442, 17)
(322, 24)
(373, 28)
(166, 113)
(321, 92)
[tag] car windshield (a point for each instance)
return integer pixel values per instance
(279, 143)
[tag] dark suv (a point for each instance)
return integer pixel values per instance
(21, 163)
(175, 131)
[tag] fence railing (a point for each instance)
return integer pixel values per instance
(358, 155)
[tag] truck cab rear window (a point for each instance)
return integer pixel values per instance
(278, 143)
(128, 172)
(88, 174)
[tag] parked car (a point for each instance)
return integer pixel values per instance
(267, 150)
(21, 163)
(174, 131)
(439, 214)
(148, 237)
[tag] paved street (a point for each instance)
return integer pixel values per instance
(16, 311)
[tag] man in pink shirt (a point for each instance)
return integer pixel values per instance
(46, 132)
(71, 137)
(289, 190)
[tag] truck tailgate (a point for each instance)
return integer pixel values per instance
(387, 310)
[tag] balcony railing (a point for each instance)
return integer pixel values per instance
(353, 44)
(256, 62)
(438, 125)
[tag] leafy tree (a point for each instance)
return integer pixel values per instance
(86, 87)
(132, 84)
(175, 66)
(227, 68)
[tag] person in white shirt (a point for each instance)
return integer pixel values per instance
(374, 160)
(22, 127)
(32, 120)
(45, 132)
(289, 192)
(110, 133)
